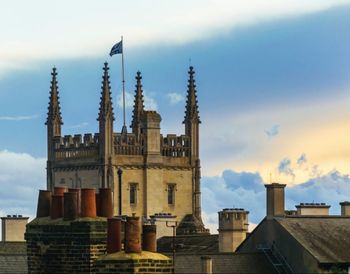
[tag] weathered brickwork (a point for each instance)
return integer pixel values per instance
(121, 263)
(57, 246)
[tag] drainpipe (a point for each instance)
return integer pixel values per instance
(120, 172)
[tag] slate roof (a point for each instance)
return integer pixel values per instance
(242, 263)
(190, 244)
(190, 249)
(13, 257)
(327, 238)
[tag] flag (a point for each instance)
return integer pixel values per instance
(117, 48)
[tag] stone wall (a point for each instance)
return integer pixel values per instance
(57, 246)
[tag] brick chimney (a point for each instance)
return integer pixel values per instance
(275, 200)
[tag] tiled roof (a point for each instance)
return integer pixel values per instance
(13, 257)
(327, 238)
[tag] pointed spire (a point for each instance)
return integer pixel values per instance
(54, 109)
(106, 107)
(138, 104)
(191, 112)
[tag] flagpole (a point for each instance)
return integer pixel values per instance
(123, 81)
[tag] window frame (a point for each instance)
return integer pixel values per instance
(171, 186)
(133, 187)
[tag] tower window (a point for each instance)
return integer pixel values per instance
(133, 193)
(171, 194)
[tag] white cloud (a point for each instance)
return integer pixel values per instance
(41, 29)
(129, 100)
(149, 101)
(175, 98)
(21, 176)
(18, 118)
(245, 190)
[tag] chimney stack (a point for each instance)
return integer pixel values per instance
(105, 203)
(312, 209)
(88, 202)
(233, 228)
(13, 228)
(275, 200)
(114, 243)
(56, 206)
(149, 238)
(132, 235)
(70, 203)
(207, 265)
(59, 190)
(77, 190)
(44, 204)
(345, 208)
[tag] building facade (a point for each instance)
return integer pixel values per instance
(149, 173)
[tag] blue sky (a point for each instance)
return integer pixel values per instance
(273, 83)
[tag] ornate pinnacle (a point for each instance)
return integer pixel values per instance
(54, 109)
(138, 104)
(106, 107)
(191, 112)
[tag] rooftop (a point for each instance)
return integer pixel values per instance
(13, 257)
(190, 244)
(327, 238)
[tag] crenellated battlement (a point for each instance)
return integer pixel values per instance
(175, 146)
(76, 141)
(146, 170)
(128, 144)
(76, 146)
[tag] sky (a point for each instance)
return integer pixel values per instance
(273, 83)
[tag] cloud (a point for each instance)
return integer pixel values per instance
(232, 189)
(247, 180)
(19, 118)
(246, 190)
(273, 131)
(302, 159)
(331, 188)
(285, 168)
(149, 100)
(129, 100)
(21, 176)
(175, 98)
(53, 39)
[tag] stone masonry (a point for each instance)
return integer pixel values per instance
(57, 246)
(123, 263)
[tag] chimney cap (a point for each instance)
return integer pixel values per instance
(275, 185)
(313, 205)
(344, 203)
(234, 210)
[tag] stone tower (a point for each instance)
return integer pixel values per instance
(156, 174)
